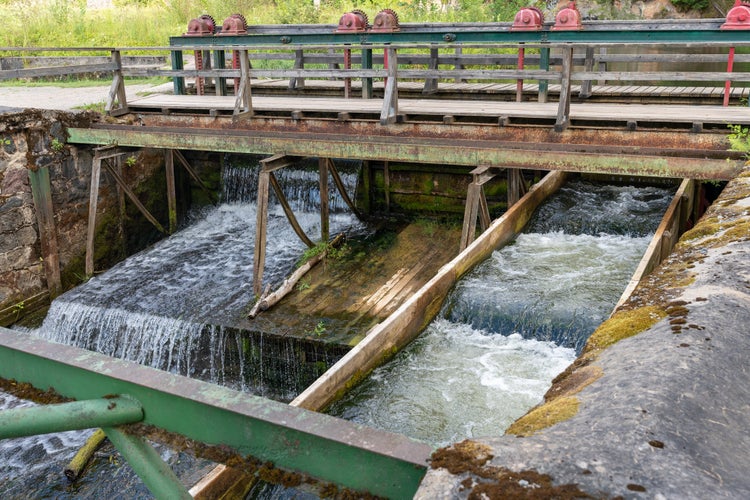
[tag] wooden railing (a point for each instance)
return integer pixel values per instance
(434, 64)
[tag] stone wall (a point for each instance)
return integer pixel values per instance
(34, 140)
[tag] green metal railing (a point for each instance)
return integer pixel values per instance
(318, 445)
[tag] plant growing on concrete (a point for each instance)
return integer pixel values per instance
(56, 145)
(131, 161)
(739, 139)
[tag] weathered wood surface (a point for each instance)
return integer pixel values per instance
(420, 308)
(436, 107)
(665, 237)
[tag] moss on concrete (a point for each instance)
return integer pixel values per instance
(622, 325)
(546, 415)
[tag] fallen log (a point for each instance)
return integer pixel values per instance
(78, 463)
(267, 300)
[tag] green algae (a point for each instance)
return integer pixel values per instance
(546, 415)
(624, 324)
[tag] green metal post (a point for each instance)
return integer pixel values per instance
(146, 462)
(178, 65)
(367, 82)
(88, 414)
(543, 64)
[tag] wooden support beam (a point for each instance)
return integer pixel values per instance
(129, 192)
(324, 210)
(340, 186)
(431, 84)
(259, 258)
(563, 110)
(96, 167)
(366, 177)
(288, 211)
(588, 65)
(181, 158)
(277, 162)
(171, 189)
(387, 186)
(117, 103)
(243, 102)
(471, 210)
(41, 191)
(516, 186)
(297, 83)
(389, 113)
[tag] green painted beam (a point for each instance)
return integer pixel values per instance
(413, 150)
(76, 415)
(686, 31)
(324, 447)
(146, 462)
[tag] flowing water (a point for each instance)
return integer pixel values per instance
(485, 361)
(516, 321)
(166, 307)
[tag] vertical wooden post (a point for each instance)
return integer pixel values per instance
(366, 187)
(387, 186)
(41, 190)
(431, 84)
(543, 64)
(299, 63)
(588, 65)
(389, 113)
(514, 186)
(259, 259)
(117, 89)
(171, 190)
(96, 168)
(471, 209)
(324, 220)
(243, 101)
(367, 82)
(458, 66)
(563, 110)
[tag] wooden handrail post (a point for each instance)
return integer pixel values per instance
(563, 110)
(117, 89)
(390, 99)
(171, 189)
(243, 102)
(588, 65)
(431, 84)
(299, 63)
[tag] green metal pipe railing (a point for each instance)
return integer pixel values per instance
(76, 415)
(323, 447)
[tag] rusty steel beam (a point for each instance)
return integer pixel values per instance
(396, 148)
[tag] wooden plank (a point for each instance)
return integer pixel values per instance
(41, 191)
(660, 246)
(563, 110)
(324, 212)
(96, 167)
(171, 190)
(390, 335)
(261, 223)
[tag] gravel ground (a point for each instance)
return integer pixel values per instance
(66, 98)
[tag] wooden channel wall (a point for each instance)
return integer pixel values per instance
(386, 338)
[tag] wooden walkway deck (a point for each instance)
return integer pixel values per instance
(600, 114)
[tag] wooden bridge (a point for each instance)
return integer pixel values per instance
(484, 97)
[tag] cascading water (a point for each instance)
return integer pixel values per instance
(168, 307)
(516, 321)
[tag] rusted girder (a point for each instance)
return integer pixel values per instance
(589, 158)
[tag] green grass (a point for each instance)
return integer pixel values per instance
(143, 23)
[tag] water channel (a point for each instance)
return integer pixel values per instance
(506, 330)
